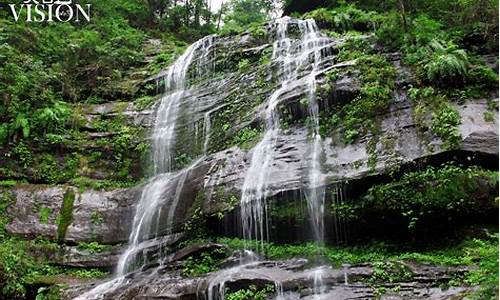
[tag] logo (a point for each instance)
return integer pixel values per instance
(50, 11)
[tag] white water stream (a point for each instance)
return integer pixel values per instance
(147, 220)
(293, 52)
(292, 55)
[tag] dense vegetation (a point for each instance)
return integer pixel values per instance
(51, 75)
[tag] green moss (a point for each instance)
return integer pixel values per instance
(8, 183)
(44, 215)
(489, 117)
(65, 214)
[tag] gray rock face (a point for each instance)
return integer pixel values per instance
(79, 258)
(399, 143)
(96, 215)
(112, 110)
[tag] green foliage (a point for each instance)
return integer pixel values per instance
(444, 63)
(8, 183)
(445, 193)
(96, 218)
(482, 76)
(238, 14)
(92, 247)
(207, 262)
(251, 293)
(390, 272)
(377, 76)
(48, 293)
(87, 273)
(243, 65)
(386, 256)
(444, 120)
(144, 102)
(488, 116)
(485, 252)
(343, 18)
(247, 137)
(44, 215)
(445, 124)
(97, 184)
(18, 268)
(23, 154)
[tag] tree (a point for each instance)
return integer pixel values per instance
(239, 13)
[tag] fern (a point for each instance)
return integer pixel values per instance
(21, 123)
(445, 63)
(51, 118)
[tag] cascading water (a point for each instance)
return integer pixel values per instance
(292, 56)
(315, 194)
(147, 219)
(298, 56)
(163, 141)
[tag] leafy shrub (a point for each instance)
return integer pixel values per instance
(206, 263)
(343, 18)
(444, 63)
(390, 33)
(92, 247)
(252, 292)
(482, 76)
(445, 124)
(445, 193)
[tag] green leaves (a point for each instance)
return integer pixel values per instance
(252, 292)
(445, 124)
(447, 192)
(21, 124)
(445, 63)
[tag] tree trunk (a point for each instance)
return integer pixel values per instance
(220, 15)
(402, 10)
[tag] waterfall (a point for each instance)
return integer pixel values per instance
(298, 50)
(163, 141)
(292, 56)
(315, 194)
(145, 228)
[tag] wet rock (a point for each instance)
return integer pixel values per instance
(297, 284)
(123, 111)
(103, 216)
(194, 250)
(79, 258)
